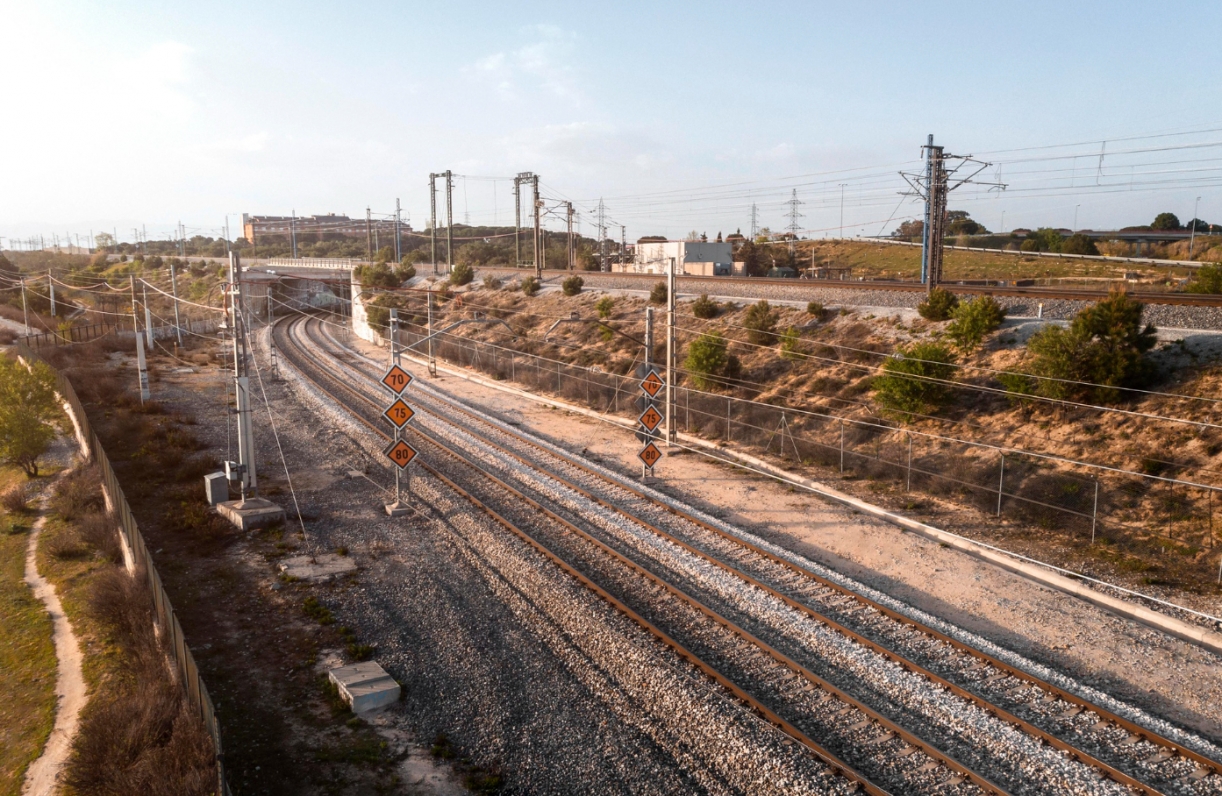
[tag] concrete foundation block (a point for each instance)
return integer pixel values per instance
(365, 686)
(317, 568)
(251, 513)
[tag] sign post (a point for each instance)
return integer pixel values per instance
(650, 420)
(396, 379)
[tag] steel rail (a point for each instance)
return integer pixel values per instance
(837, 765)
(1036, 292)
(1131, 727)
(907, 736)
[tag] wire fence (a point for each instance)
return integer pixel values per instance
(1155, 513)
(188, 673)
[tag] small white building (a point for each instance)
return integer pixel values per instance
(692, 257)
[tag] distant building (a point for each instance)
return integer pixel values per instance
(319, 228)
(692, 257)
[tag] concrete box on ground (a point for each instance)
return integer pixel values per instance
(216, 488)
(365, 686)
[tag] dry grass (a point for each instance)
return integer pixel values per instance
(138, 733)
(27, 656)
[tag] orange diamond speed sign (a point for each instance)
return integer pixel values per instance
(650, 455)
(652, 383)
(399, 413)
(396, 379)
(401, 453)
(651, 418)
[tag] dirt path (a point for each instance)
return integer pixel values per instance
(42, 777)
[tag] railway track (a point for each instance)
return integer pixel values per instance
(895, 704)
(708, 284)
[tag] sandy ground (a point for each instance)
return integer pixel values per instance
(1169, 678)
(42, 777)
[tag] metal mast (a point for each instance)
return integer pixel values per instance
(934, 186)
(794, 215)
(534, 179)
(433, 218)
(449, 221)
(572, 250)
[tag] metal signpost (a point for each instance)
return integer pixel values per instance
(650, 419)
(396, 379)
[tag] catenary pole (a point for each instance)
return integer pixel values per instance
(174, 290)
(449, 221)
(670, 353)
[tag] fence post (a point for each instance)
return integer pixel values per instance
(727, 420)
(908, 485)
(1001, 484)
(842, 446)
(1094, 516)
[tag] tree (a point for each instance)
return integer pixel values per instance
(376, 275)
(1208, 279)
(104, 240)
(572, 285)
(938, 306)
(1044, 239)
(658, 294)
(27, 410)
(760, 323)
(752, 257)
(604, 306)
(1197, 225)
(912, 381)
(910, 230)
(1167, 221)
(461, 274)
(704, 307)
(960, 223)
(708, 359)
(1079, 244)
(8, 271)
(972, 320)
(1102, 351)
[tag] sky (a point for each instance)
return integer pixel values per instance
(680, 116)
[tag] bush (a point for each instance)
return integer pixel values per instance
(461, 274)
(572, 286)
(658, 294)
(816, 309)
(604, 306)
(1079, 244)
(973, 320)
(405, 271)
(14, 501)
(790, 344)
(530, 286)
(708, 359)
(760, 323)
(904, 388)
(376, 275)
(704, 307)
(1104, 347)
(938, 305)
(1208, 279)
(492, 283)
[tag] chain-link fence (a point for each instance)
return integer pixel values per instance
(1154, 513)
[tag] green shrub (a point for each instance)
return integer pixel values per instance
(1208, 279)
(1079, 244)
(704, 307)
(492, 283)
(1104, 348)
(572, 286)
(530, 286)
(938, 305)
(708, 359)
(973, 320)
(376, 275)
(604, 306)
(905, 386)
(405, 271)
(760, 323)
(461, 274)
(658, 294)
(816, 309)
(790, 345)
